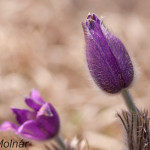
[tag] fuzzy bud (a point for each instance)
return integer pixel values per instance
(108, 61)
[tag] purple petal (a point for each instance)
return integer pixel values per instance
(35, 95)
(23, 115)
(8, 126)
(48, 119)
(32, 104)
(30, 129)
(46, 110)
(121, 56)
(97, 65)
(35, 101)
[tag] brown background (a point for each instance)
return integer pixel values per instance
(42, 47)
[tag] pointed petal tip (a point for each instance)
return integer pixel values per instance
(92, 17)
(35, 95)
(7, 125)
(34, 91)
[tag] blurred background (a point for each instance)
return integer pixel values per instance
(42, 46)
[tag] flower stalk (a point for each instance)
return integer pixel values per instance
(129, 101)
(132, 109)
(61, 142)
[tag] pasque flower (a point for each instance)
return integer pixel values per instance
(108, 61)
(39, 124)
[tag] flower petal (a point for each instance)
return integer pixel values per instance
(5, 126)
(48, 119)
(34, 101)
(97, 64)
(35, 95)
(46, 110)
(121, 55)
(23, 115)
(32, 104)
(30, 129)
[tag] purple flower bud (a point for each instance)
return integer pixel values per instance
(108, 61)
(40, 124)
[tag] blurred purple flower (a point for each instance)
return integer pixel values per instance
(40, 124)
(107, 59)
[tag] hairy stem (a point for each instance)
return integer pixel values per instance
(61, 142)
(132, 108)
(129, 101)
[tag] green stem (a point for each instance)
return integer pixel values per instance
(129, 101)
(61, 142)
(133, 110)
